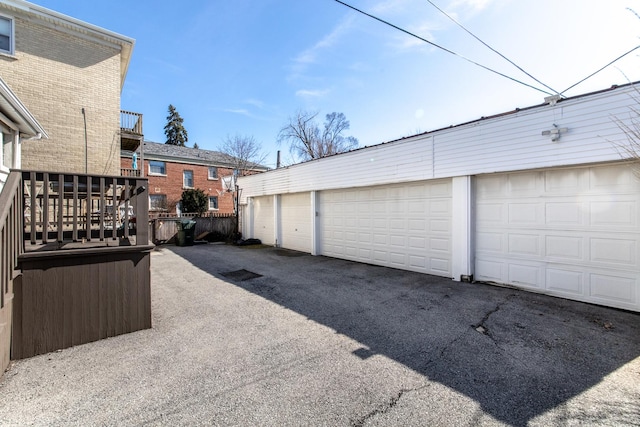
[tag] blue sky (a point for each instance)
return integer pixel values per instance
(244, 66)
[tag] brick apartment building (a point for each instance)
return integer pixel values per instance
(172, 169)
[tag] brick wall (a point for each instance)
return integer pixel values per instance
(55, 75)
(171, 184)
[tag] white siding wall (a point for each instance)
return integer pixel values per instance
(501, 144)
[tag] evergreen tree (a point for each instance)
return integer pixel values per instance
(174, 129)
(194, 201)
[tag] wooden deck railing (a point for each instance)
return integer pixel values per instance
(131, 122)
(11, 244)
(129, 172)
(64, 207)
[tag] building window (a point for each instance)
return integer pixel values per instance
(213, 172)
(158, 202)
(6, 155)
(157, 168)
(213, 203)
(187, 179)
(6, 35)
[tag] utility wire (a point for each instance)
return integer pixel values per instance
(489, 47)
(593, 74)
(443, 48)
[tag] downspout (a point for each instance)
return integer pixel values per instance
(86, 144)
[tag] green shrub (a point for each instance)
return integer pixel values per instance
(194, 201)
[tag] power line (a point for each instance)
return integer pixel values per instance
(486, 45)
(443, 48)
(593, 74)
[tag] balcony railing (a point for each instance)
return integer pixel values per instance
(129, 172)
(131, 122)
(10, 236)
(84, 208)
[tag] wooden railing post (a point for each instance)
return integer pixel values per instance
(141, 198)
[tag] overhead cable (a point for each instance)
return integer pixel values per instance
(443, 48)
(593, 74)
(489, 47)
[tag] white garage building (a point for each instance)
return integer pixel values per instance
(536, 198)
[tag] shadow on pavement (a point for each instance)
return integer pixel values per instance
(516, 353)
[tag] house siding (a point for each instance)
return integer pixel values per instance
(57, 74)
(506, 143)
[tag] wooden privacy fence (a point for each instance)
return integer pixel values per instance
(164, 229)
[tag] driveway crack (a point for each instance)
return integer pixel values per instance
(386, 407)
(481, 326)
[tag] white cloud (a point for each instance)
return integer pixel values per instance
(389, 6)
(405, 41)
(306, 93)
(470, 4)
(240, 111)
(312, 54)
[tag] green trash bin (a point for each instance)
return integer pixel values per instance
(186, 232)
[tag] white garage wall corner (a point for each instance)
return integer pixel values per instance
(314, 222)
(277, 220)
(462, 233)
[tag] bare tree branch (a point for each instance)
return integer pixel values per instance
(245, 151)
(307, 141)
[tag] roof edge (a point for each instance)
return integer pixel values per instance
(21, 110)
(126, 43)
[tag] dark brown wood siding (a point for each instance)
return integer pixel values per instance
(72, 297)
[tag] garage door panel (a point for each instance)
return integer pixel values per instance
(296, 221)
(489, 242)
(614, 251)
(614, 213)
(614, 288)
(525, 275)
(608, 179)
(564, 247)
(263, 219)
(564, 281)
(443, 265)
(490, 212)
(563, 213)
(576, 236)
(392, 225)
(524, 213)
(524, 244)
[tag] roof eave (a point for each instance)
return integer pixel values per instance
(125, 43)
(19, 114)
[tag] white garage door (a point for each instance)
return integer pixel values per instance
(295, 215)
(573, 233)
(405, 226)
(263, 220)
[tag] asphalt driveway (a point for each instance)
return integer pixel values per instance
(262, 336)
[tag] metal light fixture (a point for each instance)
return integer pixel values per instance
(555, 133)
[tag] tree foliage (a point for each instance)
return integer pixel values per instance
(245, 152)
(194, 201)
(174, 129)
(307, 140)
